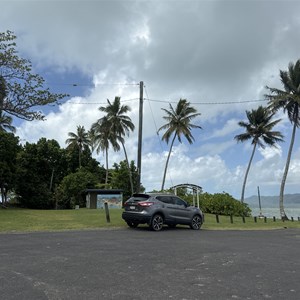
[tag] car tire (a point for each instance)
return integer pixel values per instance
(132, 224)
(196, 222)
(157, 222)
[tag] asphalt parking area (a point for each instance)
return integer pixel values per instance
(141, 264)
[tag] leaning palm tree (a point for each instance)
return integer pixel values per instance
(178, 123)
(121, 125)
(80, 139)
(102, 137)
(259, 131)
(288, 100)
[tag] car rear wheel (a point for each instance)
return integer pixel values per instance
(196, 222)
(132, 224)
(157, 222)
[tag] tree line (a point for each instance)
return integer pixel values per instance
(44, 175)
(22, 92)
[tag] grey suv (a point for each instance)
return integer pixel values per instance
(159, 209)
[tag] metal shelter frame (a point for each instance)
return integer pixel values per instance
(196, 190)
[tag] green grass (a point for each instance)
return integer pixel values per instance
(27, 220)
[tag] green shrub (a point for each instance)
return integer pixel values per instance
(223, 204)
(69, 192)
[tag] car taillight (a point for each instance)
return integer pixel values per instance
(145, 204)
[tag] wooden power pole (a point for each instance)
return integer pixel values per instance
(140, 137)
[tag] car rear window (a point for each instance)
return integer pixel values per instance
(139, 197)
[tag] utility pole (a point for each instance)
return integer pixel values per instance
(140, 137)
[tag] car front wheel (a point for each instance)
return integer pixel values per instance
(196, 222)
(157, 222)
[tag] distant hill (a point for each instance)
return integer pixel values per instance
(290, 200)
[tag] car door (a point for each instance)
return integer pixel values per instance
(183, 213)
(170, 210)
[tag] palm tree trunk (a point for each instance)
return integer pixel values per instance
(246, 174)
(287, 165)
(79, 157)
(167, 162)
(128, 166)
(106, 175)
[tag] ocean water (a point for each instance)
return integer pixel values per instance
(271, 212)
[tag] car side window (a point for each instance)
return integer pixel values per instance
(179, 201)
(166, 199)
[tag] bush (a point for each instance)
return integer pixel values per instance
(223, 204)
(69, 192)
(37, 196)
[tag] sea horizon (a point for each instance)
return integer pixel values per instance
(271, 212)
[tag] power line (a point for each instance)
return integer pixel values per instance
(209, 103)
(88, 84)
(175, 102)
(99, 103)
(152, 100)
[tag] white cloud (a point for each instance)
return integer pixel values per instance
(229, 127)
(270, 152)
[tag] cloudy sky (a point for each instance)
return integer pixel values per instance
(219, 55)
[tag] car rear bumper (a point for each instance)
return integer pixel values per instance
(134, 217)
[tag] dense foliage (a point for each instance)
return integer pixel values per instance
(71, 190)
(223, 204)
(43, 175)
(9, 147)
(41, 167)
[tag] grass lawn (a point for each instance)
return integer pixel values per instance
(25, 220)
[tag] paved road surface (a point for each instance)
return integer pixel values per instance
(141, 264)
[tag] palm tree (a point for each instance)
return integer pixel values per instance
(178, 123)
(259, 131)
(288, 100)
(80, 139)
(101, 137)
(120, 126)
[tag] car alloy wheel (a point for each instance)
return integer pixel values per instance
(196, 222)
(157, 222)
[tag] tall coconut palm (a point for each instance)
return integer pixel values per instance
(79, 140)
(259, 131)
(101, 138)
(289, 101)
(178, 124)
(120, 125)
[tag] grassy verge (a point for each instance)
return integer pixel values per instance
(26, 220)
